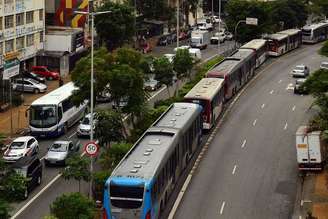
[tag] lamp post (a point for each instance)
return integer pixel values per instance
(91, 15)
(241, 21)
(178, 22)
(219, 25)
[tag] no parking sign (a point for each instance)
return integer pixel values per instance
(91, 148)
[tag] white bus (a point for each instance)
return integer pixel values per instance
(52, 114)
(260, 46)
(314, 33)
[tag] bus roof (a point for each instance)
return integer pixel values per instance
(178, 115)
(314, 26)
(276, 36)
(290, 32)
(254, 44)
(243, 54)
(144, 159)
(56, 96)
(205, 89)
(224, 67)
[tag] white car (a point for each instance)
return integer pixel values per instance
(216, 19)
(21, 147)
(170, 57)
(29, 85)
(324, 65)
(181, 47)
(228, 36)
(218, 36)
(301, 71)
(84, 129)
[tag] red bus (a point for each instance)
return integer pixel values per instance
(284, 41)
(260, 46)
(209, 93)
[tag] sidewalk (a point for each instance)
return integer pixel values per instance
(13, 121)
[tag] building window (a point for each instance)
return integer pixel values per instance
(41, 37)
(20, 43)
(29, 17)
(20, 19)
(41, 14)
(9, 46)
(0, 23)
(9, 21)
(30, 40)
(7, 2)
(1, 49)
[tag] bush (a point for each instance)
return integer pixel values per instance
(324, 49)
(99, 180)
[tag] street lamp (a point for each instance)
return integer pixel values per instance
(91, 15)
(178, 5)
(219, 24)
(241, 21)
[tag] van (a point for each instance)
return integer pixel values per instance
(195, 54)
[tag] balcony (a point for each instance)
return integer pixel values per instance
(9, 8)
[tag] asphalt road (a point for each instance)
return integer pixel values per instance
(250, 169)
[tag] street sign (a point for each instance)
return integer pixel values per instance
(91, 148)
(10, 68)
(251, 21)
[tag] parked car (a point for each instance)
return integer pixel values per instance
(181, 47)
(29, 85)
(216, 19)
(164, 40)
(151, 85)
(34, 76)
(218, 36)
(60, 151)
(31, 169)
(44, 71)
(84, 129)
(228, 36)
(298, 88)
(301, 71)
(21, 147)
(324, 65)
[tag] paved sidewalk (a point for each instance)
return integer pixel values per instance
(13, 121)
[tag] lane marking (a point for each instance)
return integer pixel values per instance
(234, 170)
(72, 135)
(263, 105)
(279, 81)
(294, 107)
(286, 125)
(254, 123)
(244, 143)
(271, 92)
(222, 208)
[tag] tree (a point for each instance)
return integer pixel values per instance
(72, 206)
(317, 83)
(50, 217)
(182, 63)
(78, 169)
(99, 180)
(13, 186)
(324, 49)
(117, 27)
(109, 126)
(163, 71)
(319, 7)
(4, 209)
(113, 155)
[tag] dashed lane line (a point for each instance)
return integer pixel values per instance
(244, 143)
(254, 123)
(234, 170)
(222, 207)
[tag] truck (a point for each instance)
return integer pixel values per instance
(311, 149)
(200, 39)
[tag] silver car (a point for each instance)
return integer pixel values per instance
(84, 129)
(301, 71)
(324, 65)
(60, 151)
(29, 85)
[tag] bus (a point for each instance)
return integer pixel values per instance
(294, 38)
(52, 114)
(209, 93)
(314, 33)
(248, 57)
(260, 46)
(141, 184)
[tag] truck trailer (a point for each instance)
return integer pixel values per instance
(200, 39)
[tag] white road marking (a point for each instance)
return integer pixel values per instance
(263, 105)
(254, 123)
(222, 207)
(244, 143)
(234, 170)
(294, 107)
(271, 92)
(279, 81)
(72, 135)
(286, 125)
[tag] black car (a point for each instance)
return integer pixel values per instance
(31, 168)
(34, 76)
(298, 88)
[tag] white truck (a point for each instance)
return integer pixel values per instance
(311, 149)
(200, 39)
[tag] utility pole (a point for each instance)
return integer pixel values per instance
(178, 22)
(219, 25)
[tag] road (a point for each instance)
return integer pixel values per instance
(249, 169)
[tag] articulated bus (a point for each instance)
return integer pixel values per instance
(52, 114)
(248, 57)
(209, 93)
(260, 46)
(141, 184)
(314, 33)
(294, 38)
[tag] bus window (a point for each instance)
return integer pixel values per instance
(126, 196)
(60, 113)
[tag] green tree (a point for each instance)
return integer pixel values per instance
(13, 186)
(113, 155)
(319, 7)
(4, 209)
(99, 180)
(163, 71)
(117, 27)
(324, 49)
(72, 206)
(109, 127)
(317, 83)
(50, 217)
(182, 63)
(78, 169)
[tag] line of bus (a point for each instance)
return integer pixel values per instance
(142, 183)
(260, 46)
(314, 33)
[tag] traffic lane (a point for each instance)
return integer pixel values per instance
(215, 155)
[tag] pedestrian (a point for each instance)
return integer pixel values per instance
(61, 82)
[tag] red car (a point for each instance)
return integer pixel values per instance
(45, 72)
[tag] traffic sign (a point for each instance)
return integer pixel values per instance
(91, 148)
(251, 21)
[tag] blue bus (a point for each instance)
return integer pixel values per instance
(141, 184)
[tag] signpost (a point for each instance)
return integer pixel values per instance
(11, 68)
(91, 149)
(251, 21)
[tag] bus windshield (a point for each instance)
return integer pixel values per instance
(43, 116)
(128, 197)
(306, 32)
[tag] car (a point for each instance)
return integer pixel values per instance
(218, 36)
(164, 40)
(298, 88)
(216, 19)
(59, 151)
(151, 85)
(301, 71)
(29, 85)
(181, 47)
(84, 128)
(324, 65)
(228, 36)
(34, 76)
(170, 57)
(21, 147)
(31, 169)
(44, 71)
